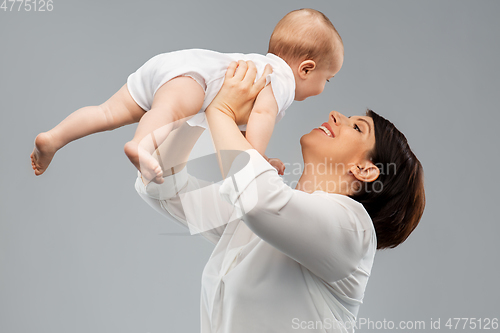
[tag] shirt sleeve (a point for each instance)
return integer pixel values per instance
(194, 203)
(322, 234)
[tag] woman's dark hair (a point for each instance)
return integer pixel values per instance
(396, 200)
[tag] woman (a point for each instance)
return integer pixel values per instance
(291, 259)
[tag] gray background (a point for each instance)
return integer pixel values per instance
(80, 251)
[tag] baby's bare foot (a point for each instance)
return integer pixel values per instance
(42, 153)
(144, 162)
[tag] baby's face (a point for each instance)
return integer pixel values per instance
(314, 83)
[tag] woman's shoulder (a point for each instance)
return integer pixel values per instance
(358, 216)
(360, 221)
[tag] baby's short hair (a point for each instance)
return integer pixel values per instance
(305, 34)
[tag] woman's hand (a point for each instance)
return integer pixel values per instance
(238, 93)
(232, 106)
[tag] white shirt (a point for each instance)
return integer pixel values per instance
(208, 68)
(294, 262)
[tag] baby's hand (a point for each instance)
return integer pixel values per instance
(278, 165)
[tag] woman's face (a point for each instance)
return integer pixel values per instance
(340, 142)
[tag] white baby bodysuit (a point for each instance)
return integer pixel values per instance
(208, 68)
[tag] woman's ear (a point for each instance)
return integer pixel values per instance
(306, 67)
(368, 172)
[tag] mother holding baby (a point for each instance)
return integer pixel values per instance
(290, 259)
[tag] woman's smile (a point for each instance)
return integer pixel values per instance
(327, 129)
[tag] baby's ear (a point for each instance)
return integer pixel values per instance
(306, 67)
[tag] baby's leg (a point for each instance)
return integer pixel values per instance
(119, 110)
(173, 153)
(174, 102)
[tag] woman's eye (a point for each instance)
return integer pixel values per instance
(357, 128)
(327, 80)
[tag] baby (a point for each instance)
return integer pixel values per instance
(305, 52)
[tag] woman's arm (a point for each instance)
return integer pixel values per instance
(232, 105)
(195, 203)
(327, 235)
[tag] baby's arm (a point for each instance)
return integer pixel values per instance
(262, 119)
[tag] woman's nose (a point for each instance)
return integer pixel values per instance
(336, 117)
